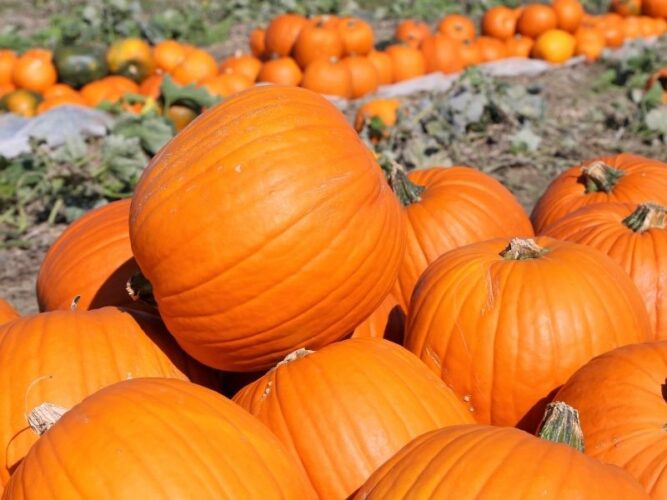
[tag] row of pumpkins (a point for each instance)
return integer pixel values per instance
(327, 54)
(383, 335)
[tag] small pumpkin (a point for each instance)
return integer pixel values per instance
(555, 46)
(7, 312)
(384, 66)
(590, 43)
(62, 100)
(633, 235)
(619, 178)
(79, 65)
(363, 75)
(329, 77)
(620, 396)
(21, 102)
(61, 357)
(384, 110)
(110, 88)
(519, 46)
(226, 84)
(412, 32)
(357, 36)
(281, 71)
(152, 86)
(257, 43)
(131, 58)
(498, 299)
(406, 62)
(282, 33)
(8, 60)
(168, 54)
(441, 53)
(469, 53)
(316, 42)
(491, 49)
(180, 116)
(34, 71)
(507, 463)
(457, 27)
(536, 19)
(499, 22)
(92, 260)
(367, 398)
(244, 64)
(197, 66)
(179, 440)
(569, 14)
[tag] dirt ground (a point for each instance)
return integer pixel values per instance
(578, 124)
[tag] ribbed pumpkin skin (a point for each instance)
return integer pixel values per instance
(158, 438)
(459, 206)
(644, 180)
(351, 406)
(642, 255)
(621, 401)
(7, 312)
(61, 357)
(92, 258)
(227, 223)
(505, 334)
(484, 462)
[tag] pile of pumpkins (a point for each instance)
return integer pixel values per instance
(381, 334)
(327, 54)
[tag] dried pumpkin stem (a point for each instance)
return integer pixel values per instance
(45, 416)
(523, 249)
(406, 191)
(600, 177)
(647, 216)
(561, 425)
(294, 355)
(140, 289)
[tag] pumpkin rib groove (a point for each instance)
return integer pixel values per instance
(289, 225)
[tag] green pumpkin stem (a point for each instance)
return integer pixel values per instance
(523, 249)
(405, 190)
(600, 177)
(647, 216)
(561, 425)
(140, 289)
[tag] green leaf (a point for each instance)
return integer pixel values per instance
(195, 98)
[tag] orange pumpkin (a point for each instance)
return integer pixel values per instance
(626, 8)
(329, 77)
(21, 102)
(8, 60)
(536, 19)
(446, 208)
(282, 33)
(61, 357)
(457, 27)
(179, 440)
(491, 49)
(7, 312)
(384, 109)
(463, 314)
(387, 322)
(382, 398)
(243, 64)
(555, 46)
(620, 397)
(364, 77)
(357, 36)
(569, 14)
(92, 259)
(633, 236)
(151, 86)
(406, 62)
(226, 84)
(62, 100)
(257, 43)
(412, 32)
(197, 66)
(519, 46)
(441, 53)
(324, 20)
(383, 65)
(590, 42)
(132, 58)
(507, 463)
(317, 42)
(470, 53)
(110, 88)
(632, 28)
(34, 71)
(620, 178)
(499, 22)
(281, 71)
(612, 28)
(168, 54)
(240, 305)
(6, 88)
(59, 90)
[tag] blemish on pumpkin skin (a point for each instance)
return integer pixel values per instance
(267, 390)
(237, 169)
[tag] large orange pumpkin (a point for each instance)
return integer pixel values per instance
(620, 178)
(7, 312)
(158, 438)
(635, 236)
(245, 189)
(446, 208)
(441, 53)
(282, 33)
(316, 42)
(281, 71)
(92, 259)
(506, 325)
(620, 397)
(406, 62)
(484, 462)
(351, 405)
(61, 357)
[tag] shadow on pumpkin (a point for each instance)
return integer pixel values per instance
(532, 419)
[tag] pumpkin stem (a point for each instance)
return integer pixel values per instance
(405, 190)
(140, 289)
(294, 355)
(75, 303)
(522, 249)
(647, 216)
(598, 176)
(45, 416)
(561, 425)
